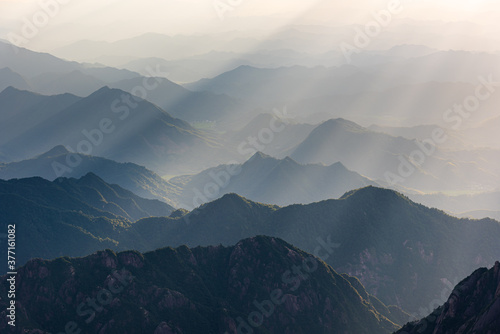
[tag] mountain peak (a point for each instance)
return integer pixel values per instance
(339, 166)
(103, 89)
(7, 70)
(54, 152)
(230, 202)
(12, 90)
(341, 122)
(373, 192)
(90, 178)
(234, 197)
(259, 156)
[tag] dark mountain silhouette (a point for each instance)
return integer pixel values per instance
(199, 290)
(404, 253)
(90, 192)
(473, 307)
(73, 217)
(383, 238)
(135, 178)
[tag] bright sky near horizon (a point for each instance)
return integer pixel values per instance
(117, 19)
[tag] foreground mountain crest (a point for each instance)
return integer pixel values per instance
(199, 290)
(473, 307)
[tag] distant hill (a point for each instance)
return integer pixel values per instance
(288, 135)
(187, 105)
(382, 238)
(74, 82)
(476, 204)
(375, 155)
(269, 180)
(30, 64)
(473, 307)
(135, 178)
(105, 124)
(479, 214)
(406, 104)
(11, 78)
(393, 91)
(22, 110)
(456, 140)
(273, 87)
(200, 290)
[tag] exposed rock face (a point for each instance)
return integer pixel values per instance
(473, 307)
(261, 285)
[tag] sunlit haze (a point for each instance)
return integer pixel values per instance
(249, 166)
(114, 20)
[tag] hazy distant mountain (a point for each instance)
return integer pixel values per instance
(269, 180)
(485, 133)
(201, 290)
(213, 63)
(189, 69)
(374, 58)
(451, 66)
(456, 139)
(112, 124)
(460, 204)
(156, 45)
(480, 214)
(135, 178)
(404, 253)
(288, 134)
(187, 105)
(11, 78)
(22, 110)
(74, 82)
(30, 64)
(273, 87)
(377, 154)
(407, 51)
(50, 75)
(399, 93)
(404, 105)
(473, 307)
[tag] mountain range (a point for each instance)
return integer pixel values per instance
(70, 216)
(30, 64)
(109, 123)
(269, 180)
(404, 253)
(386, 158)
(132, 177)
(238, 289)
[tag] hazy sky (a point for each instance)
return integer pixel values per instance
(117, 19)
